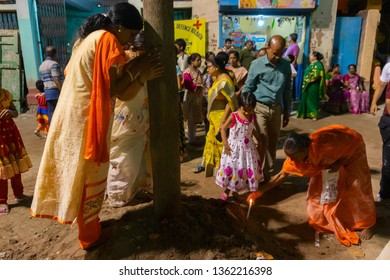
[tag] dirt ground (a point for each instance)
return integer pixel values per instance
(207, 227)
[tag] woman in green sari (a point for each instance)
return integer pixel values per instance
(313, 88)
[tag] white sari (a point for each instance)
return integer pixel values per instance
(130, 164)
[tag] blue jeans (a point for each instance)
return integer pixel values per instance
(384, 127)
(51, 106)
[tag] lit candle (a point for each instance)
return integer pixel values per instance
(249, 209)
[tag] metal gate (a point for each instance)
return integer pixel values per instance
(52, 27)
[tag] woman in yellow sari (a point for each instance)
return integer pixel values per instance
(221, 102)
(72, 176)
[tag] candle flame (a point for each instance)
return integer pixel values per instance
(250, 201)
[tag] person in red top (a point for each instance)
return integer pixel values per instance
(14, 159)
(42, 114)
(348, 206)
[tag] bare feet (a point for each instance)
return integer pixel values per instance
(367, 233)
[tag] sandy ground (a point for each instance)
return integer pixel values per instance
(207, 227)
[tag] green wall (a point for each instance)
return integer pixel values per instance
(75, 18)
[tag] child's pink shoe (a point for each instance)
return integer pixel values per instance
(224, 196)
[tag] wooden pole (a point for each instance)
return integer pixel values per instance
(163, 104)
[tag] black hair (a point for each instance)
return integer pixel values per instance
(296, 142)
(122, 13)
(249, 41)
(39, 85)
(221, 59)
(333, 66)
(126, 15)
(294, 36)
(208, 54)
(207, 57)
(93, 23)
(354, 66)
(228, 40)
(181, 43)
(318, 55)
(50, 51)
(193, 57)
(291, 58)
(236, 54)
(247, 99)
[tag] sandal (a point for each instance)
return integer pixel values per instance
(4, 209)
(198, 169)
(224, 196)
(23, 198)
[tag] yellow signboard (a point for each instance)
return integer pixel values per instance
(194, 33)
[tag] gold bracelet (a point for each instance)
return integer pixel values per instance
(131, 75)
(140, 80)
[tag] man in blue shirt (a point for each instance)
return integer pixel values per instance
(51, 76)
(269, 79)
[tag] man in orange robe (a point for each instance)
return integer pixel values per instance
(332, 148)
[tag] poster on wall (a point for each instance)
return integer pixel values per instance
(258, 40)
(237, 42)
(276, 4)
(194, 33)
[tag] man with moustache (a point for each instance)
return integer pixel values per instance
(269, 79)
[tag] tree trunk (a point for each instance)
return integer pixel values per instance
(164, 110)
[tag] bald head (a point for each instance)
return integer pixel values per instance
(277, 41)
(275, 48)
(50, 51)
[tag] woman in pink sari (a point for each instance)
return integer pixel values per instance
(358, 99)
(239, 71)
(193, 98)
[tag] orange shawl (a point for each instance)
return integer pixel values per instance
(354, 208)
(108, 52)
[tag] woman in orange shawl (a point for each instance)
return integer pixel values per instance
(72, 176)
(331, 149)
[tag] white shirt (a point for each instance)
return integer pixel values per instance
(182, 61)
(385, 76)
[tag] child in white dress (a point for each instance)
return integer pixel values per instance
(240, 167)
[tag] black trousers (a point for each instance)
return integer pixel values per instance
(384, 127)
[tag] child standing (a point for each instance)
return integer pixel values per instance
(14, 159)
(42, 116)
(240, 167)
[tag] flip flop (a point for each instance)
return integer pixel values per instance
(4, 209)
(24, 198)
(198, 169)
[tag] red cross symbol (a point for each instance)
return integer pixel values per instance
(197, 24)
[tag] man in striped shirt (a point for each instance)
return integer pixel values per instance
(51, 76)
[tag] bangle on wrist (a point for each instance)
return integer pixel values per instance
(141, 80)
(131, 75)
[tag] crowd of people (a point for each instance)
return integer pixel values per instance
(243, 98)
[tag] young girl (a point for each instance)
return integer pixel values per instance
(14, 159)
(42, 116)
(240, 167)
